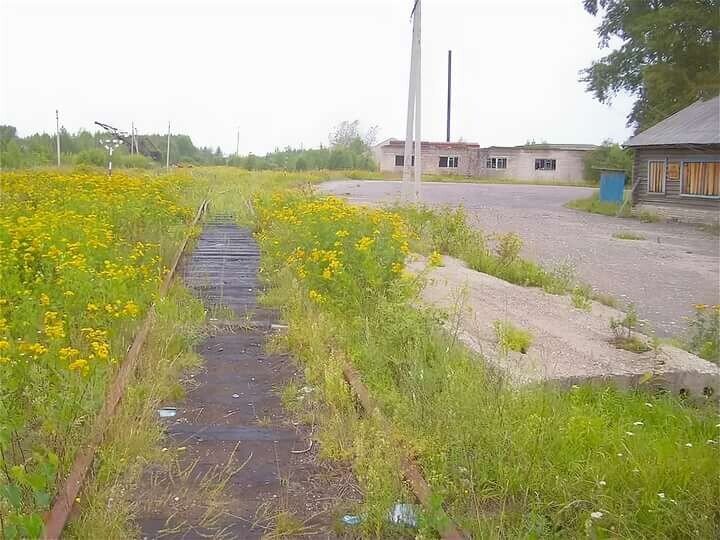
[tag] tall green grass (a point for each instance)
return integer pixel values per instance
(537, 462)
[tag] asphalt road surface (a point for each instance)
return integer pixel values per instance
(664, 276)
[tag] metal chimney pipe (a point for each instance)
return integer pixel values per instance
(449, 94)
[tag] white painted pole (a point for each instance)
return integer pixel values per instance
(57, 135)
(407, 159)
(132, 138)
(167, 157)
(237, 143)
(417, 196)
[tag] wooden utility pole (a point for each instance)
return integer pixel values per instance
(413, 116)
(167, 157)
(57, 135)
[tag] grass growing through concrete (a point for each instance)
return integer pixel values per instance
(704, 332)
(533, 463)
(447, 231)
(512, 338)
(628, 235)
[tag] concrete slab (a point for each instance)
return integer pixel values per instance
(570, 345)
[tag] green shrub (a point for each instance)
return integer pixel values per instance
(512, 338)
(560, 280)
(508, 248)
(704, 329)
(582, 297)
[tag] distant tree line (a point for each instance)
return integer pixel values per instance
(349, 149)
(86, 148)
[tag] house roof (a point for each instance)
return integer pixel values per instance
(698, 123)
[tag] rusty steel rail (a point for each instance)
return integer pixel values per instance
(410, 470)
(63, 504)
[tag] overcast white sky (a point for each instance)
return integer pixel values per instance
(286, 71)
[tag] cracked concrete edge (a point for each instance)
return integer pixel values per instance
(573, 346)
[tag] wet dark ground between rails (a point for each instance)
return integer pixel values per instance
(242, 460)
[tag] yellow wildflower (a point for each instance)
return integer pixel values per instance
(80, 363)
(131, 309)
(364, 243)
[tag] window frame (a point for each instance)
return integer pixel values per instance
(664, 176)
(682, 176)
(496, 158)
(412, 160)
(448, 160)
(544, 161)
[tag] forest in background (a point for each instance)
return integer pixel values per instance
(349, 148)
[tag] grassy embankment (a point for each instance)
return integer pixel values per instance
(109, 504)
(536, 462)
(81, 258)
(419, 374)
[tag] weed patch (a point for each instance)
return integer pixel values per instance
(532, 463)
(582, 297)
(704, 332)
(81, 258)
(628, 235)
(594, 205)
(625, 334)
(512, 338)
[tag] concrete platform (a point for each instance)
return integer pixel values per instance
(570, 345)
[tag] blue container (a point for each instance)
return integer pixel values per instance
(612, 186)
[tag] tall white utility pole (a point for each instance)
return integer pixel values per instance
(237, 144)
(167, 157)
(418, 109)
(413, 117)
(57, 135)
(132, 138)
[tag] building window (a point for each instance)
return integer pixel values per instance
(400, 160)
(701, 179)
(656, 177)
(496, 163)
(449, 162)
(545, 164)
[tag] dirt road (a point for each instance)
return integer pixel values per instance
(665, 275)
